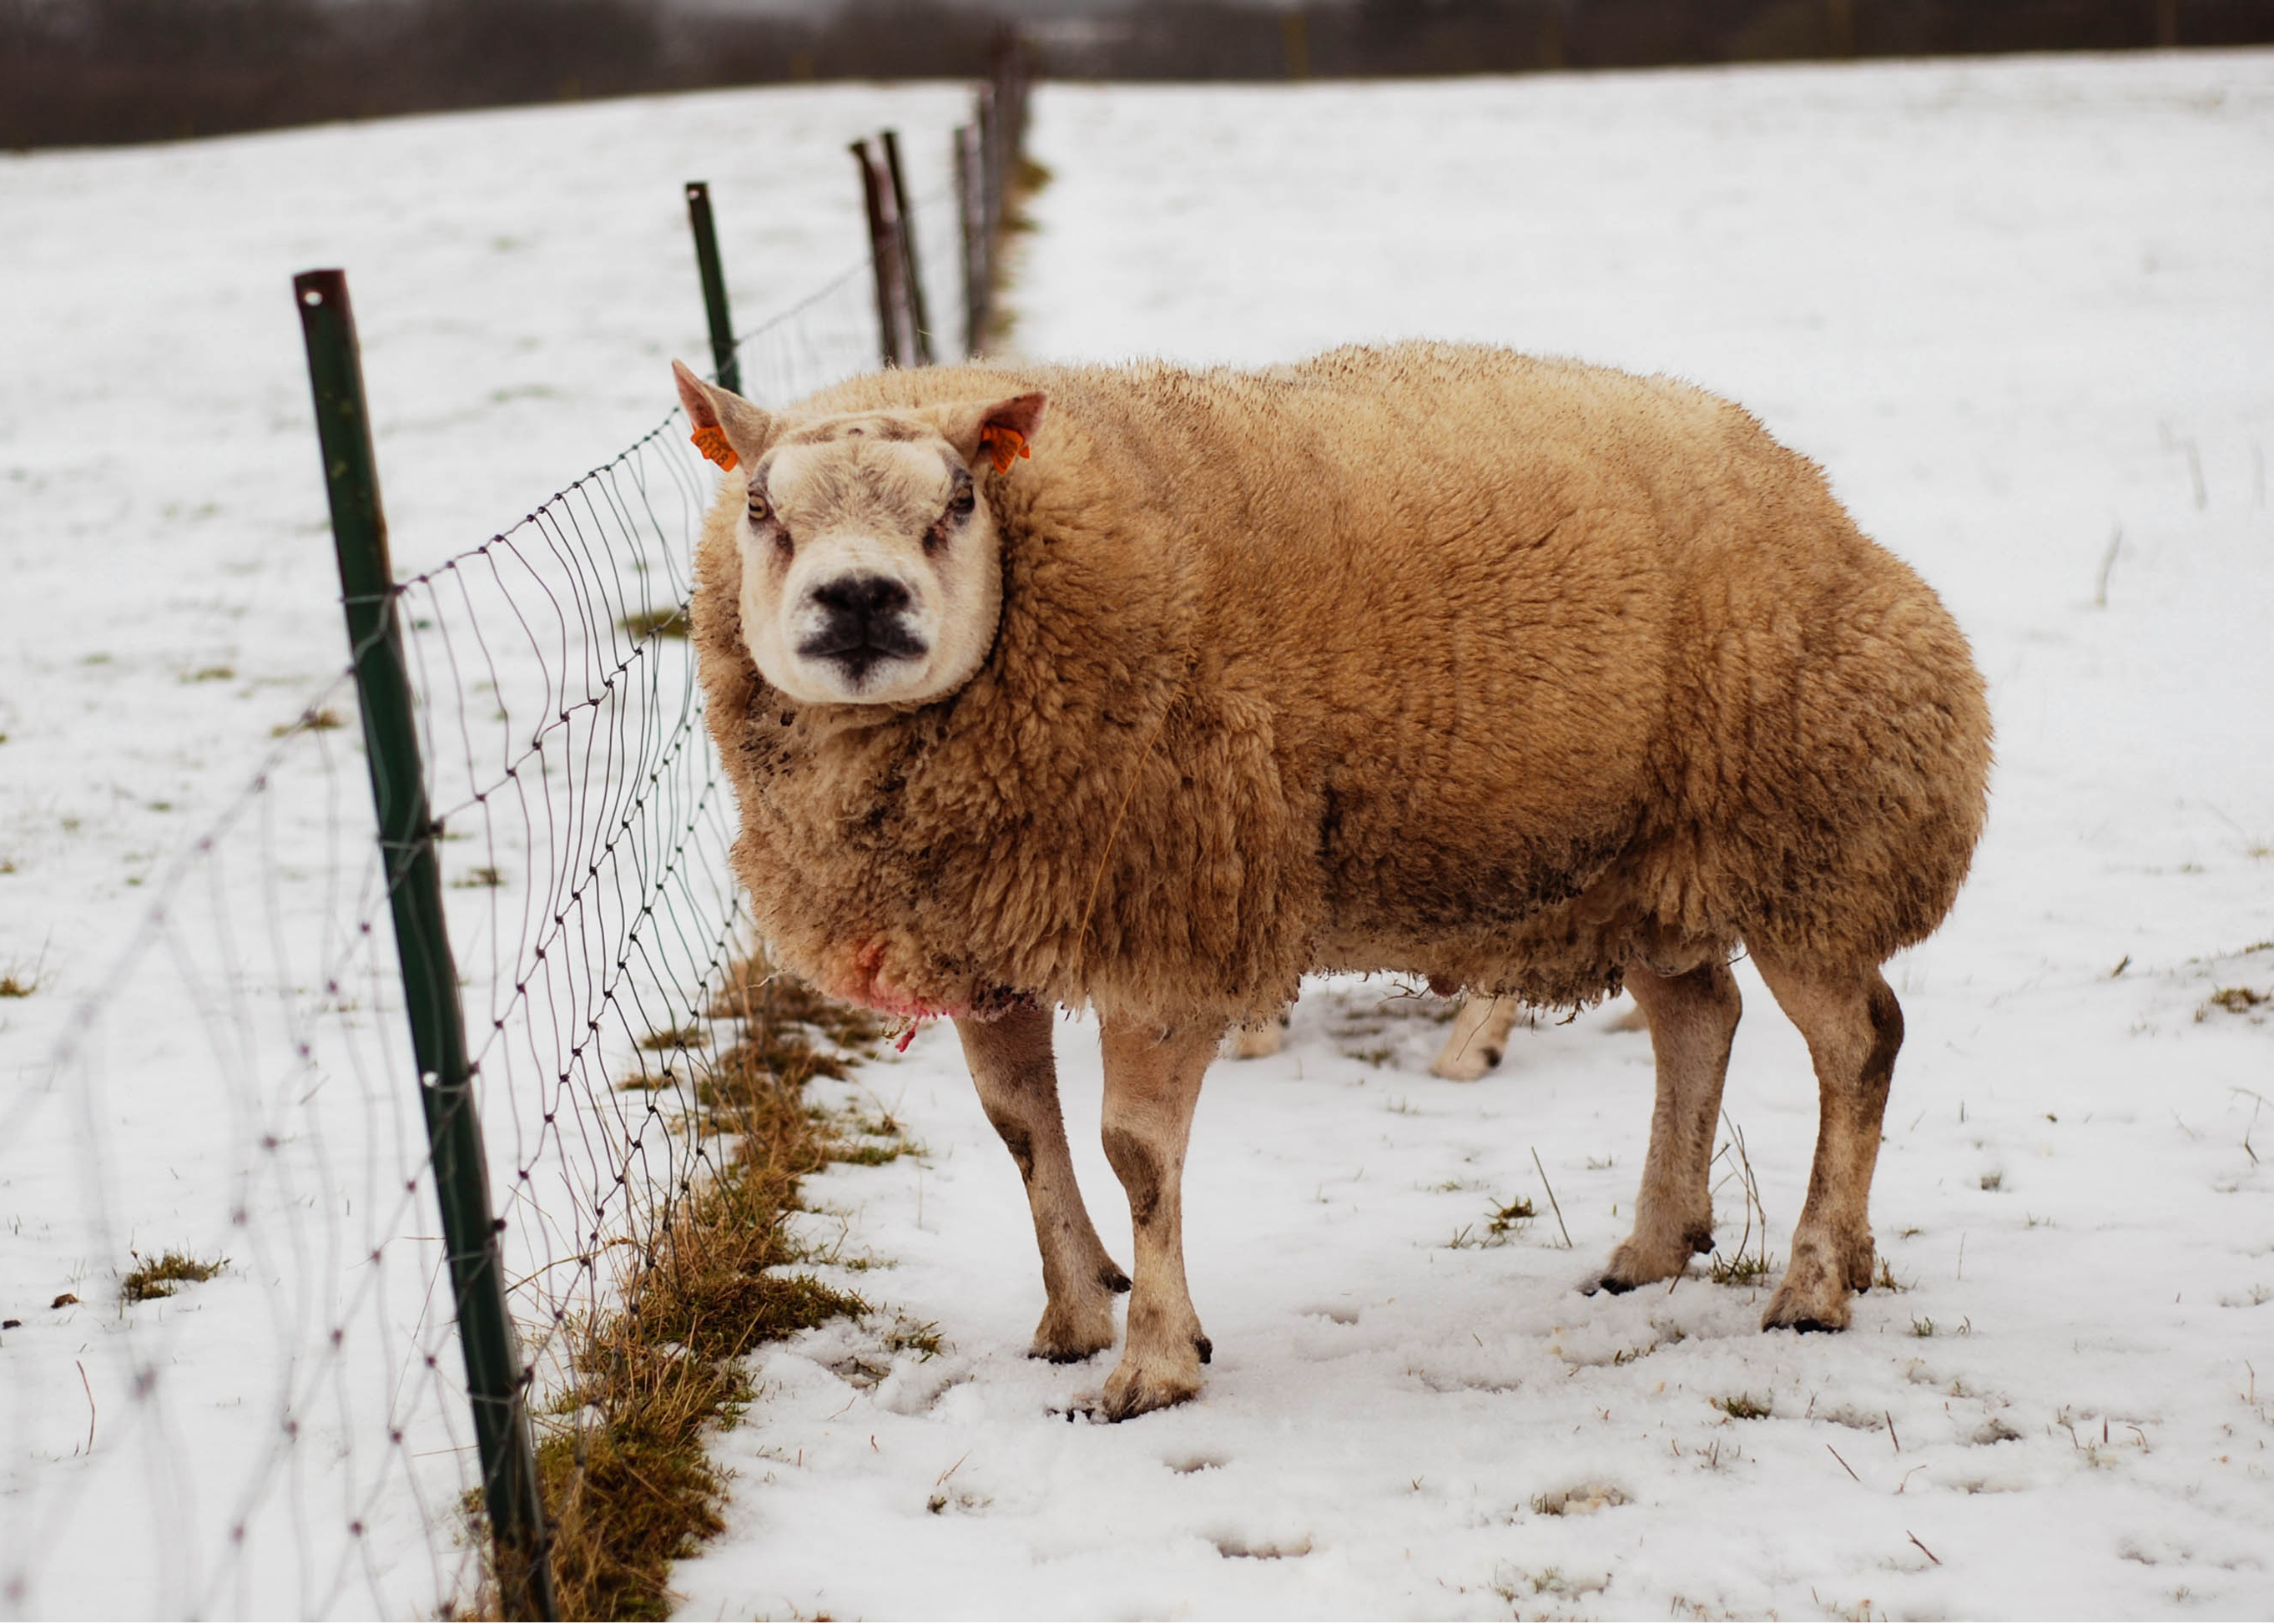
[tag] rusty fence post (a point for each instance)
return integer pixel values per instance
(911, 272)
(971, 217)
(896, 338)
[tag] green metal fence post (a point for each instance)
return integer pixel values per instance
(495, 1379)
(724, 363)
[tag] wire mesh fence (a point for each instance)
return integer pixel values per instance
(263, 1410)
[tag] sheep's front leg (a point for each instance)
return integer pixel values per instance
(1016, 1072)
(1152, 1083)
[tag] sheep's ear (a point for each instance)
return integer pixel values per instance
(728, 429)
(999, 432)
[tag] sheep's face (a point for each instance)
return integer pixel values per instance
(871, 573)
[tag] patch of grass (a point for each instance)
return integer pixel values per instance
(675, 1037)
(1744, 1269)
(670, 622)
(16, 985)
(1741, 1267)
(157, 1277)
(311, 721)
(870, 1155)
(628, 1485)
(478, 879)
(908, 1336)
(1510, 1220)
(2234, 1001)
(1744, 1407)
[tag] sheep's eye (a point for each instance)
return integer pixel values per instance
(759, 512)
(962, 502)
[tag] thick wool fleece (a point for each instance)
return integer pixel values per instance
(1439, 660)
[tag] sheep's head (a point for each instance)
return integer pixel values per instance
(871, 571)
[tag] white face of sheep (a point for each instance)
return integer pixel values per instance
(870, 568)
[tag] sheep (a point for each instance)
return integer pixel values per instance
(1152, 689)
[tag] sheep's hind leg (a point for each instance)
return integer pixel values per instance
(1478, 1039)
(1016, 1072)
(1693, 1018)
(1854, 1027)
(1152, 1085)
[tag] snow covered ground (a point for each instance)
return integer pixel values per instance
(2024, 312)
(2020, 310)
(521, 279)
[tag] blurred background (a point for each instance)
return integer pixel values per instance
(92, 72)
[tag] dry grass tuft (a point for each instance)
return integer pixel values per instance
(322, 721)
(645, 623)
(628, 1483)
(157, 1277)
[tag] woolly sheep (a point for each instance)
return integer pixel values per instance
(1154, 690)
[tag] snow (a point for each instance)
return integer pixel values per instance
(2011, 306)
(212, 1058)
(2020, 311)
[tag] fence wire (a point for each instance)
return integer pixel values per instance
(290, 1436)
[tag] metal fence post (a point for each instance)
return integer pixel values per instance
(723, 364)
(911, 275)
(971, 215)
(895, 326)
(495, 1379)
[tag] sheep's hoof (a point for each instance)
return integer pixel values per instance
(1140, 1384)
(1468, 1066)
(1637, 1262)
(1813, 1296)
(1069, 1334)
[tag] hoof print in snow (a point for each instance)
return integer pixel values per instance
(1236, 1545)
(1185, 1465)
(1341, 1313)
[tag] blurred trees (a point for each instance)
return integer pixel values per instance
(79, 72)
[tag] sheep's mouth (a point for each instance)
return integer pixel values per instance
(857, 651)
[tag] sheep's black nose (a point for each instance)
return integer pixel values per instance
(861, 597)
(861, 624)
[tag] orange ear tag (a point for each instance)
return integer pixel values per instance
(1004, 445)
(712, 442)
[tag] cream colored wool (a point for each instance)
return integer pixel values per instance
(1504, 671)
